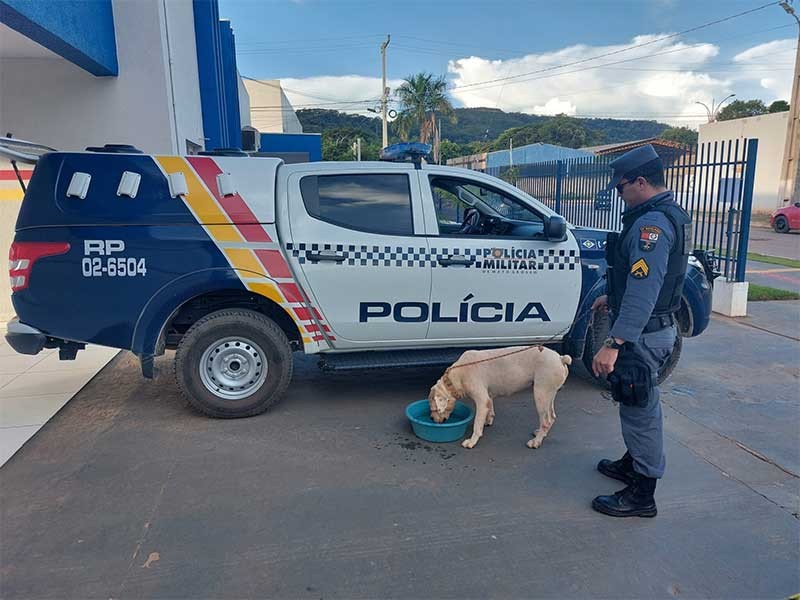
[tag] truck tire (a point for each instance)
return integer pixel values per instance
(599, 330)
(233, 363)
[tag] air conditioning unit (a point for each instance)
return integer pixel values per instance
(251, 139)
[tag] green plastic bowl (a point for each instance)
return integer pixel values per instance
(419, 413)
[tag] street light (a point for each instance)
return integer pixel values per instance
(712, 112)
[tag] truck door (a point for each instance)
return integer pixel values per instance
(496, 278)
(357, 240)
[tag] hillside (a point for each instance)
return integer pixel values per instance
(473, 123)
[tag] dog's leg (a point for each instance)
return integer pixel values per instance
(490, 416)
(482, 404)
(544, 401)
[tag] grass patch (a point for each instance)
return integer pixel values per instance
(774, 260)
(758, 293)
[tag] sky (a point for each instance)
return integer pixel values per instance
(538, 57)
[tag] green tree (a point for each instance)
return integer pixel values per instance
(682, 135)
(521, 136)
(337, 144)
(422, 97)
(778, 106)
(449, 149)
(562, 130)
(742, 108)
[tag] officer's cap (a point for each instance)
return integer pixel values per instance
(631, 162)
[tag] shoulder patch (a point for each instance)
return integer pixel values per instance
(648, 237)
(640, 269)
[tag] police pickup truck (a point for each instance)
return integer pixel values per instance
(235, 262)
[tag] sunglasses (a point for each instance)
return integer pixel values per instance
(621, 186)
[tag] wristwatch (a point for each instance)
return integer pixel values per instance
(610, 342)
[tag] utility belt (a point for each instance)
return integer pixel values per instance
(657, 323)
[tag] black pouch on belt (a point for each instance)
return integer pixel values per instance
(631, 380)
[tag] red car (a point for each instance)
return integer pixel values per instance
(786, 218)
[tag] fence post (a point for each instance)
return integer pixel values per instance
(747, 208)
(559, 175)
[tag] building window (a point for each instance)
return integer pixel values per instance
(370, 203)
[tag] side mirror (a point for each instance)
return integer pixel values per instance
(555, 228)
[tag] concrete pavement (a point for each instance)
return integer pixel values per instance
(126, 493)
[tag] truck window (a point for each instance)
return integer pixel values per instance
(374, 203)
(457, 201)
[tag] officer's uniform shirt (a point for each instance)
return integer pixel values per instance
(647, 247)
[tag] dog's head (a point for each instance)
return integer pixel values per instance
(441, 402)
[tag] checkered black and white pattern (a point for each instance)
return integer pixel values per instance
(408, 256)
(561, 260)
(364, 256)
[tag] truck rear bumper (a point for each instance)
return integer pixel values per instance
(29, 340)
(24, 338)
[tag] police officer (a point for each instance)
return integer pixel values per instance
(646, 267)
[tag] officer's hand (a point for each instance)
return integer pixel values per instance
(601, 303)
(604, 361)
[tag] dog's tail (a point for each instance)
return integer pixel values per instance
(566, 360)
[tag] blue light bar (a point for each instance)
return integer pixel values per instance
(414, 151)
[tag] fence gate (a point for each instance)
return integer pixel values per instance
(712, 181)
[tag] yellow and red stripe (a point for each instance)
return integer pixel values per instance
(229, 220)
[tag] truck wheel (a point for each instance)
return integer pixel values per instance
(781, 225)
(599, 330)
(233, 363)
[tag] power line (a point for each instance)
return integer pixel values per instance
(295, 41)
(285, 89)
(628, 48)
(486, 85)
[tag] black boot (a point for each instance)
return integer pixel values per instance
(636, 500)
(621, 469)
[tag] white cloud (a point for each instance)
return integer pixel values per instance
(646, 87)
(753, 60)
(555, 106)
(666, 86)
(336, 92)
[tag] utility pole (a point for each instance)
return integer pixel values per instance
(510, 152)
(384, 93)
(790, 170)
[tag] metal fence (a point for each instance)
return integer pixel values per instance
(712, 181)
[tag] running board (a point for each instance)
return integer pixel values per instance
(389, 359)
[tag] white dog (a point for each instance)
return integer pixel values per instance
(483, 375)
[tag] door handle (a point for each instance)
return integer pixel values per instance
(320, 256)
(456, 260)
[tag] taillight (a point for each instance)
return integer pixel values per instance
(22, 257)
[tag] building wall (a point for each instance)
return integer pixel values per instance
(310, 143)
(244, 102)
(270, 109)
(79, 31)
(133, 108)
(148, 104)
(770, 130)
(476, 162)
(185, 88)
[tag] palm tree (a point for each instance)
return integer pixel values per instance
(421, 97)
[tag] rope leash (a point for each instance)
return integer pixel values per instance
(540, 346)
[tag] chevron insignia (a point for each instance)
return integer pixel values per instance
(639, 269)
